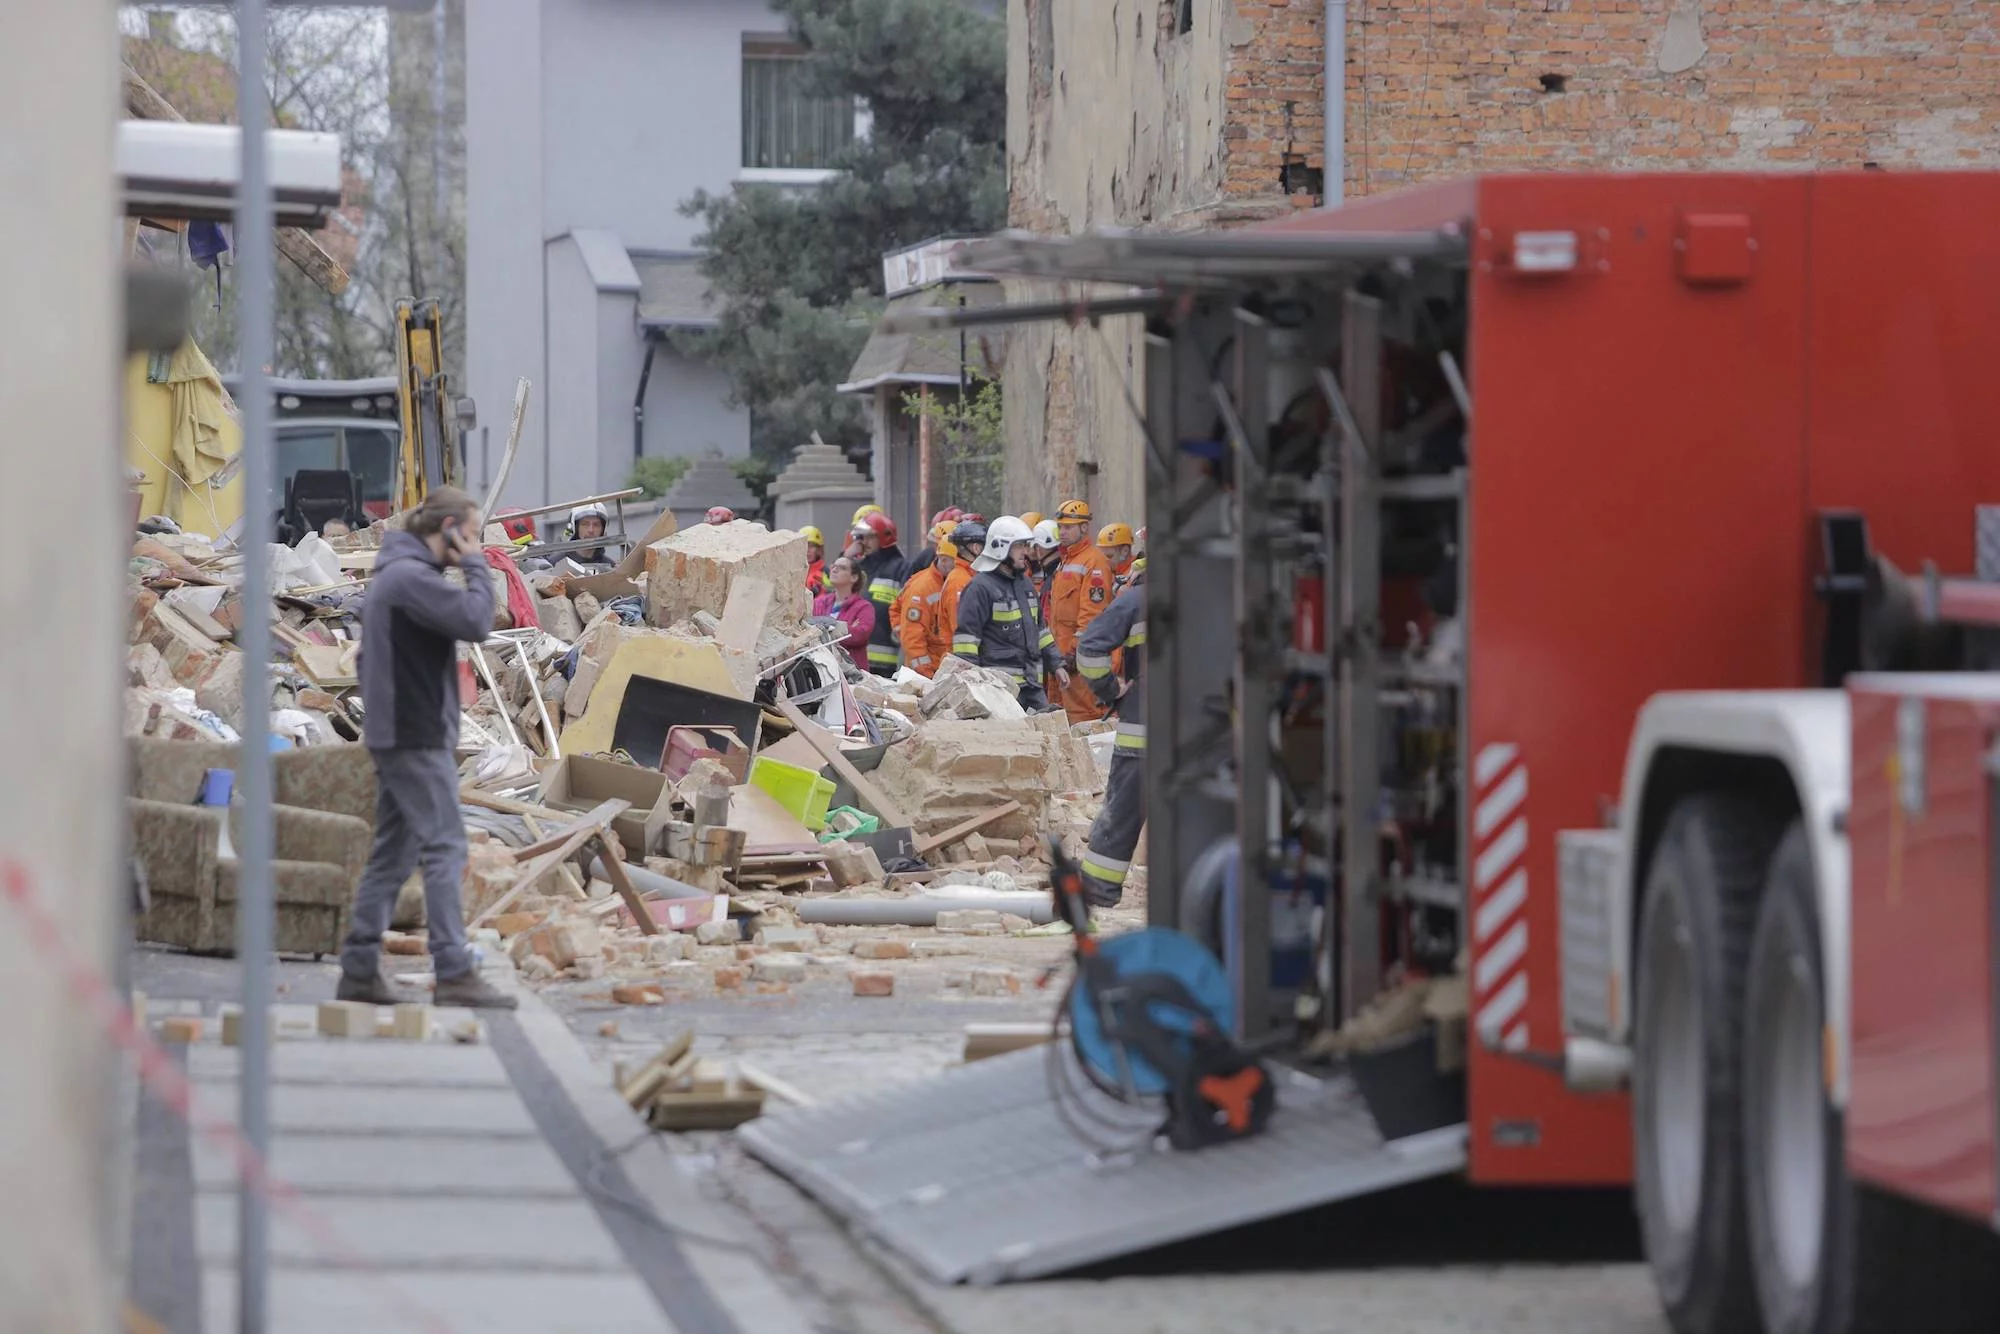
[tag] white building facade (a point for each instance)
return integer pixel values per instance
(588, 124)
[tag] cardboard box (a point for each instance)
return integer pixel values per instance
(580, 782)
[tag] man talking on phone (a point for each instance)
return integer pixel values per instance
(411, 626)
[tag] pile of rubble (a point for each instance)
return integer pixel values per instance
(646, 766)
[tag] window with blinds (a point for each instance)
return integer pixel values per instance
(784, 126)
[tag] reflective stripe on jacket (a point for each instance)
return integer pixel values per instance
(998, 627)
(882, 576)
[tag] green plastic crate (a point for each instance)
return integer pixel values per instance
(801, 791)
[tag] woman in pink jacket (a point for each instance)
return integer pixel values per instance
(847, 602)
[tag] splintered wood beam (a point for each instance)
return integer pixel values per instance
(144, 102)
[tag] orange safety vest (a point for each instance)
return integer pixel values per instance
(917, 609)
(1078, 593)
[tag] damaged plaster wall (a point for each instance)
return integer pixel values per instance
(1114, 119)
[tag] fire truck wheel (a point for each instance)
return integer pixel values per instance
(1801, 1204)
(1700, 902)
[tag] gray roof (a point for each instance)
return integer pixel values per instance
(929, 356)
(672, 293)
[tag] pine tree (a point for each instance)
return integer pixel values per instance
(798, 278)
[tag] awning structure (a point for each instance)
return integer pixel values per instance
(672, 293)
(913, 353)
(975, 1176)
(1125, 272)
(1202, 259)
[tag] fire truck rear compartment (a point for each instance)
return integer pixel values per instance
(1306, 397)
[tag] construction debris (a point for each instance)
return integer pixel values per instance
(674, 785)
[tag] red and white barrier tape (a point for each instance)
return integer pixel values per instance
(166, 1082)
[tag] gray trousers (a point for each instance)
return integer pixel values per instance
(417, 824)
(1115, 833)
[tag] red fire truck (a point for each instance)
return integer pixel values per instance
(1523, 585)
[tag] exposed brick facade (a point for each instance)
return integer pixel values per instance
(1119, 118)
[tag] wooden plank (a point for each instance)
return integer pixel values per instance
(651, 1077)
(591, 826)
(473, 796)
(565, 873)
(829, 750)
(770, 1083)
(984, 1040)
(575, 835)
(964, 827)
(614, 871)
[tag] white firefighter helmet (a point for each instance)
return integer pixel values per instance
(1046, 536)
(1000, 540)
(591, 511)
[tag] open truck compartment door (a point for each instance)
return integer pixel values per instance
(975, 1177)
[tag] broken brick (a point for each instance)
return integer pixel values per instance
(786, 968)
(181, 1028)
(729, 978)
(881, 949)
(637, 994)
(994, 982)
(346, 1019)
(873, 982)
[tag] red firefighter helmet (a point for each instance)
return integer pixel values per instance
(517, 525)
(883, 527)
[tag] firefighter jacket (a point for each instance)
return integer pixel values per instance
(1122, 626)
(954, 586)
(920, 623)
(882, 576)
(1079, 591)
(998, 627)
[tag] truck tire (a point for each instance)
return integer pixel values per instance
(1831, 1257)
(1800, 1202)
(1695, 926)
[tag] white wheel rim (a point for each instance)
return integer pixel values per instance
(1792, 1137)
(1676, 1090)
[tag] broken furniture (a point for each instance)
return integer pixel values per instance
(188, 852)
(579, 783)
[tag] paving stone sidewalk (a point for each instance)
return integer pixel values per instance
(477, 1188)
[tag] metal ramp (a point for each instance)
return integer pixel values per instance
(975, 1177)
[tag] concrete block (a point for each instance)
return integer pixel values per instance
(725, 932)
(220, 689)
(588, 968)
(411, 1023)
(970, 922)
(181, 1029)
(993, 982)
(692, 571)
(668, 947)
(346, 1019)
(976, 848)
(786, 968)
(881, 949)
(938, 949)
(873, 982)
(792, 939)
(537, 969)
(558, 617)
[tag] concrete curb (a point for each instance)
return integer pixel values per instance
(722, 1257)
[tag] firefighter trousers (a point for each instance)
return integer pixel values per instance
(1115, 834)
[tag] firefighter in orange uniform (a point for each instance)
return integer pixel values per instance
(1078, 595)
(919, 610)
(970, 539)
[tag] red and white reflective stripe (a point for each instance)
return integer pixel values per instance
(165, 1080)
(1500, 896)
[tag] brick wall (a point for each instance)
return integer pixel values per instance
(1132, 122)
(1450, 87)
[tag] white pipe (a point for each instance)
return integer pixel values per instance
(1333, 184)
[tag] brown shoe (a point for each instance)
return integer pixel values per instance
(375, 990)
(473, 992)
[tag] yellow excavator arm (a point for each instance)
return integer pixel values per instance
(430, 449)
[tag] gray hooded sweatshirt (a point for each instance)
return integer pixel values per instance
(411, 626)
